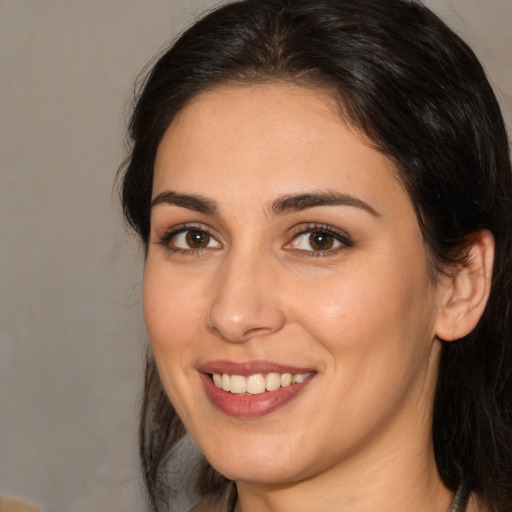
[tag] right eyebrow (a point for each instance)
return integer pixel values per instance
(191, 202)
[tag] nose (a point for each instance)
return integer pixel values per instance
(245, 301)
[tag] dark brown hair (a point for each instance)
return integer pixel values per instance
(420, 94)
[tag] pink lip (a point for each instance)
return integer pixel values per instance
(250, 405)
(247, 368)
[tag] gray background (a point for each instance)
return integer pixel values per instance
(71, 332)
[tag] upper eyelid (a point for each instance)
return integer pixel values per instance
(303, 229)
(189, 226)
(171, 232)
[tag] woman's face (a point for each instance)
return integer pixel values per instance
(282, 248)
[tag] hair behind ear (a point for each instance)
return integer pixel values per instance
(472, 424)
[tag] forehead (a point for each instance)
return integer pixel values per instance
(272, 138)
(227, 114)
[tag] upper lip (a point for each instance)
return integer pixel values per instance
(247, 368)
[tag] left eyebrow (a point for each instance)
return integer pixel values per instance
(298, 202)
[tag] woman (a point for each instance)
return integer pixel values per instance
(324, 193)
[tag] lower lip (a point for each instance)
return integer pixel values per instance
(251, 405)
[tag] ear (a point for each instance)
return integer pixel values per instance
(465, 290)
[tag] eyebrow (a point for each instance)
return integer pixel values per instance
(298, 202)
(191, 202)
(282, 205)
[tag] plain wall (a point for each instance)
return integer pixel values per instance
(71, 331)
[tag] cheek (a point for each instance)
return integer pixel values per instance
(375, 330)
(367, 308)
(173, 321)
(172, 310)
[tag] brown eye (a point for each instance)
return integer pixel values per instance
(191, 240)
(197, 239)
(321, 241)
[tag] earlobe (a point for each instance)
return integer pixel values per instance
(465, 291)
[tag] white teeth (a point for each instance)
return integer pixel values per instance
(272, 381)
(299, 377)
(286, 379)
(257, 383)
(226, 382)
(238, 384)
(217, 379)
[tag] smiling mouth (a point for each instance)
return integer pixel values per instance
(253, 389)
(257, 383)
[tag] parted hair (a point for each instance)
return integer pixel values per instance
(418, 92)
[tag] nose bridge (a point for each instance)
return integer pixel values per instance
(244, 302)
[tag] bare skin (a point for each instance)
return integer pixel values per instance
(239, 270)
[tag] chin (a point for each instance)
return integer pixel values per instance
(266, 473)
(259, 462)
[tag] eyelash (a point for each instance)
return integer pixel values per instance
(341, 237)
(167, 238)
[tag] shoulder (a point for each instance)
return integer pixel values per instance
(9, 504)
